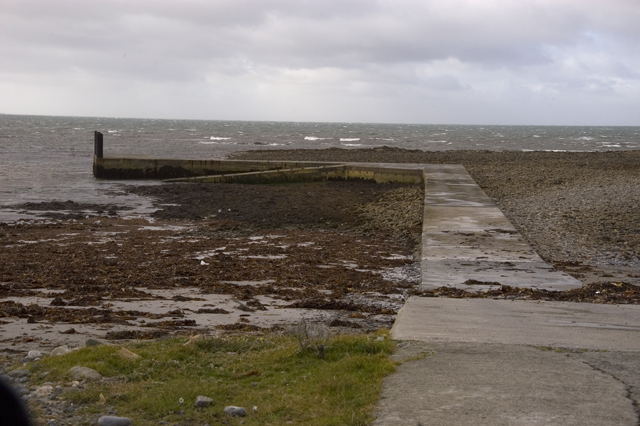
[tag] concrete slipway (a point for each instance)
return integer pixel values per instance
(502, 362)
(472, 361)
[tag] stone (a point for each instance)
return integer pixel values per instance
(33, 355)
(127, 354)
(60, 350)
(235, 411)
(203, 401)
(93, 342)
(18, 373)
(21, 390)
(84, 373)
(114, 421)
(43, 391)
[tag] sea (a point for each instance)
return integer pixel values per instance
(49, 158)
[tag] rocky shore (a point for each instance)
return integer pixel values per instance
(212, 258)
(579, 210)
(248, 257)
(254, 258)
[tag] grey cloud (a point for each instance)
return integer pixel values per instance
(361, 47)
(444, 82)
(307, 33)
(315, 31)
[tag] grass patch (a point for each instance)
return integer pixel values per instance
(287, 384)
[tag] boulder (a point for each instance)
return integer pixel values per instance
(44, 390)
(114, 421)
(127, 354)
(34, 355)
(84, 373)
(60, 350)
(203, 401)
(235, 411)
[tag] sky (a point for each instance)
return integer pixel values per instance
(536, 62)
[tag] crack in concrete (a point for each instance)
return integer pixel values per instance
(628, 388)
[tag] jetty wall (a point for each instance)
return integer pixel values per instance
(133, 167)
(246, 171)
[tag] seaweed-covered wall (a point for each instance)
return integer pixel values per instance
(150, 168)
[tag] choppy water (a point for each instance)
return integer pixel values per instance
(50, 158)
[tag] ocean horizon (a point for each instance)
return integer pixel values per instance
(44, 158)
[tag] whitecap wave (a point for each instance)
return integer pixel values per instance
(437, 141)
(349, 139)
(585, 138)
(552, 150)
(219, 138)
(113, 131)
(314, 138)
(218, 143)
(352, 144)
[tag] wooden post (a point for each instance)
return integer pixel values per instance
(97, 144)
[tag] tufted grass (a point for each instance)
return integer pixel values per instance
(287, 384)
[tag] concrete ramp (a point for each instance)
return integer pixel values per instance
(588, 326)
(502, 362)
(468, 243)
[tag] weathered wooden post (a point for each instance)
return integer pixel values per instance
(97, 144)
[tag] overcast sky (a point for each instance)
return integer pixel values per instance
(557, 62)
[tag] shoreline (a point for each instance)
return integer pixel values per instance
(213, 259)
(577, 211)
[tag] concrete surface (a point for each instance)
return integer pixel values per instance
(502, 362)
(465, 237)
(499, 362)
(520, 322)
(488, 384)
